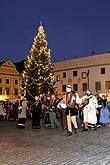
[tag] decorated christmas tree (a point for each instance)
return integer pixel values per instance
(38, 76)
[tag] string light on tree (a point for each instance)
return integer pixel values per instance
(38, 76)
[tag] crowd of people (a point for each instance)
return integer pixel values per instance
(68, 113)
(8, 109)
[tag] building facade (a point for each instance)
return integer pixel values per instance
(10, 81)
(91, 72)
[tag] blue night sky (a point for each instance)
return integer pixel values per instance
(73, 27)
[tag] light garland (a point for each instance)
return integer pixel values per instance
(38, 67)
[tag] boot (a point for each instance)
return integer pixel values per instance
(95, 128)
(85, 129)
(75, 130)
(68, 134)
(85, 126)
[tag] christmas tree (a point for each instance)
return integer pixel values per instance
(38, 76)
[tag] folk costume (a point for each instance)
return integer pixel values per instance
(89, 110)
(71, 109)
(22, 112)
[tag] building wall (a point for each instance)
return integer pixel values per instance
(9, 73)
(88, 71)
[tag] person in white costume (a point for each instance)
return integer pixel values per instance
(89, 110)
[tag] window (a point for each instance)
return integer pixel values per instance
(102, 70)
(97, 86)
(58, 78)
(0, 91)
(75, 73)
(63, 88)
(64, 74)
(0, 80)
(7, 81)
(84, 86)
(16, 82)
(107, 85)
(7, 91)
(75, 87)
(15, 91)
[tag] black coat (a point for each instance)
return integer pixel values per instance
(36, 109)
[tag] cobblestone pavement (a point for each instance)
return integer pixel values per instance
(51, 147)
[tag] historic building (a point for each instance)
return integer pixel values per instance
(91, 72)
(82, 73)
(10, 81)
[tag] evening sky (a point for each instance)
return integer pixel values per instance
(74, 28)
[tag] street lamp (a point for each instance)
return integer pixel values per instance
(87, 79)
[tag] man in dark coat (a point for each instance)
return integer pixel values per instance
(35, 109)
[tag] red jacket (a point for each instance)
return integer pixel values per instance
(72, 99)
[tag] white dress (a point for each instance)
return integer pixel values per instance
(89, 111)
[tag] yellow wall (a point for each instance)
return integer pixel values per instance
(8, 71)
